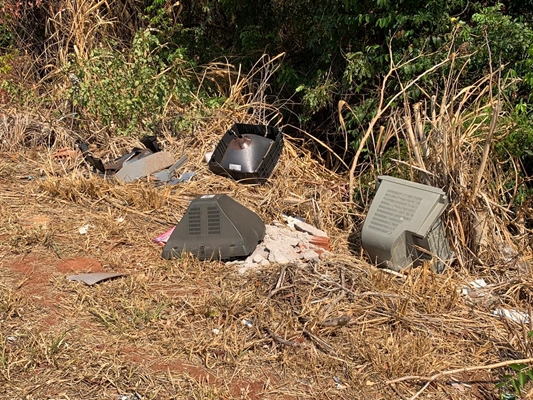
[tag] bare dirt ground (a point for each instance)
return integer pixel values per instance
(338, 329)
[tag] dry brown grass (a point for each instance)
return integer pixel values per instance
(339, 328)
(151, 332)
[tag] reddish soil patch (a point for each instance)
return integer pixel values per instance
(81, 264)
(33, 277)
(239, 388)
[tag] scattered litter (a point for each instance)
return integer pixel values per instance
(139, 163)
(185, 177)
(133, 396)
(162, 239)
(302, 226)
(94, 277)
(207, 156)
(473, 286)
(289, 220)
(12, 339)
(338, 381)
(145, 166)
(166, 174)
(516, 316)
(65, 154)
(282, 246)
(120, 220)
(151, 147)
(216, 331)
(247, 323)
(84, 229)
(459, 386)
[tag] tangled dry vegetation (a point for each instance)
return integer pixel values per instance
(339, 328)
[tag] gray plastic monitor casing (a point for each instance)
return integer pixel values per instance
(403, 226)
(215, 227)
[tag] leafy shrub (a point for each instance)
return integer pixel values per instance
(131, 90)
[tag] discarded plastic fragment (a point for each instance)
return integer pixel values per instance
(163, 238)
(145, 166)
(133, 396)
(474, 285)
(516, 316)
(459, 386)
(94, 277)
(338, 381)
(207, 156)
(289, 220)
(216, 331)
(166, 174)
(247, 323)
(84, 229)
(185, 177)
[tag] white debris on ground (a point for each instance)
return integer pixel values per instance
(283, 245)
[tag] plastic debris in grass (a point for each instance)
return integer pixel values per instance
(473, 288)
(139, 163)
(519, 317)
(132, 396)
(247, 323)
(162, 239)
(94, 277)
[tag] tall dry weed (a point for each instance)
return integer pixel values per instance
(449, 134)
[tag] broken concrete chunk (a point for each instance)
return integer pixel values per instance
(310, 229)
(282, 245)
(94, 277)
(257, 258)
(309, 255)
(145, 166)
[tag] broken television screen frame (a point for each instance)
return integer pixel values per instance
(248, 153)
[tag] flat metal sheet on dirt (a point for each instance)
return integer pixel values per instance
(94, 277)
(145, 166)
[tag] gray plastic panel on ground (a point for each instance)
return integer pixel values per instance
(403, 225)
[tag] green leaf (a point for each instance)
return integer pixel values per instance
(522, 379)
(516, 386)
(517, 367)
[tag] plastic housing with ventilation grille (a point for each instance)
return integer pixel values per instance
(403, 225)
(215, 227)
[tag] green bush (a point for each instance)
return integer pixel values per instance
(131, 90)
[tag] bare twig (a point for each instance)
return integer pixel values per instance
(382, 109)
(280, 340)
(458, 370)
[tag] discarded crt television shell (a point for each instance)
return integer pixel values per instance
(403, 226)
(216, 227)
(248, 153)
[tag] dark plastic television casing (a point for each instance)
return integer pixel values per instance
(254, 163)
(215, 227)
